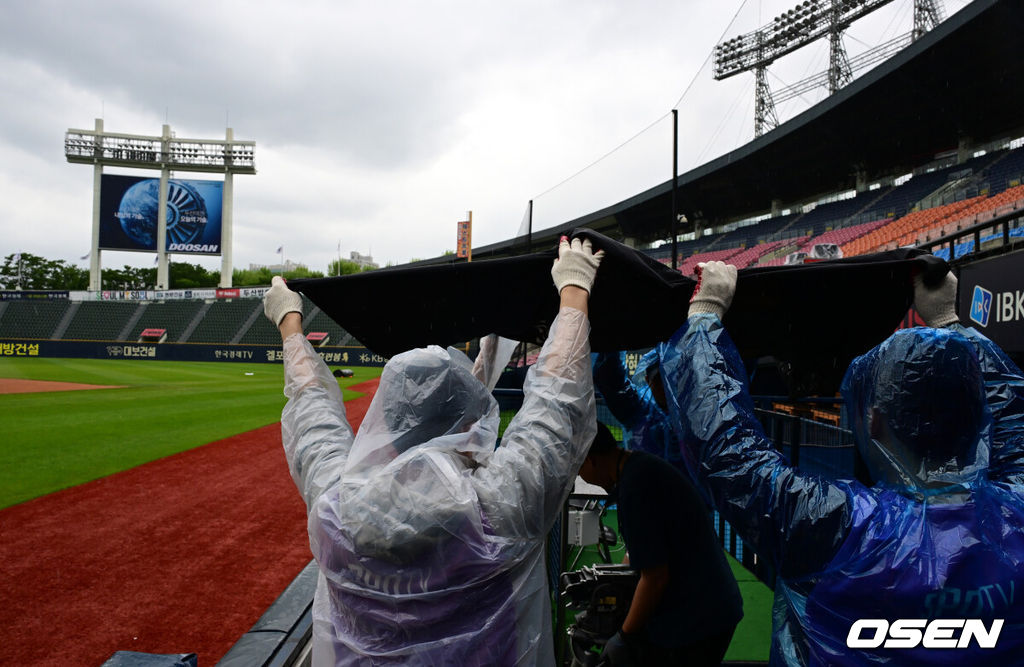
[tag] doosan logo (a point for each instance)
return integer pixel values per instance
(193, 247)
(914, 632)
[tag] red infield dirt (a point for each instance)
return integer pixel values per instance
(180, 555)
(18, 386)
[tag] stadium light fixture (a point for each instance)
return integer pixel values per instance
(792, 29)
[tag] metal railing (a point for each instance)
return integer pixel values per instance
(996, 233)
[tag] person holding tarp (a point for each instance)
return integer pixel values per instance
(923, 567)
(430, 541)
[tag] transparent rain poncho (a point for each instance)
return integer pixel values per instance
(934, 538)
(430, 541)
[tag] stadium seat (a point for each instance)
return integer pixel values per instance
(101, 320)
(32, 319)
(174, 316)
(224, 320)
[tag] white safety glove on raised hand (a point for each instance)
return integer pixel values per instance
(716, 283)
(936, 305)
(576, 264)
(279, 301)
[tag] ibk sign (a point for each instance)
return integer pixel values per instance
(992, 300)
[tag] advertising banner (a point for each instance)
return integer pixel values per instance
(464, 239)
(32, 295)
(26, 348)
(128, 214)
(125, 295)
(165, 295)
(992, 300)
(74, 349)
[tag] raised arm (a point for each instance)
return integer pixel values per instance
(533, 470)
(623, 398)
(797, 521)
(494, 354)
(314, 430)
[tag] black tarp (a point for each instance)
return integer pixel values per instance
(810, 318)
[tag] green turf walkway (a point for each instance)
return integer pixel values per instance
(754, 633)
(752, 639)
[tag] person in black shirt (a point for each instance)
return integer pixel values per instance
(687, 604)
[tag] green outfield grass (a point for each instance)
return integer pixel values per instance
(54, 440)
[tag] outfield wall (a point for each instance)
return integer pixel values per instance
(135, 295)
(79, 349)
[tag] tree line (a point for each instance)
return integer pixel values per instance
(32, 272)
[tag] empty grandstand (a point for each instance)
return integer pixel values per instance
(224, 323)
(98, 320)
(177, 317)
(31, 319)
(152, 326)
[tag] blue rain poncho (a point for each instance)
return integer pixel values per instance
(939, 536)
(629, 399)
(430, 541)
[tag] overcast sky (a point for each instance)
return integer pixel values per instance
(378, 124)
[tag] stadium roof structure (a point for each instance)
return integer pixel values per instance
(959, 83)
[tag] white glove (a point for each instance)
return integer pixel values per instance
(279, 301)
(576, 264)
(716, 283)
(936, 305)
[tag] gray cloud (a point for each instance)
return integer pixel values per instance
(377, 123)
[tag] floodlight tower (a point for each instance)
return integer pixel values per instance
(839, 72)
(165, 152)
(807, 22)
(927, 15)
(764, 105)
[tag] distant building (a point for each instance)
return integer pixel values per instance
(288, 265)
(364, 261)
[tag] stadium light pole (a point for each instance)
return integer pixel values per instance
(95, 267)
(675, 180)
(162, 269)
(529, 227)
(226, 215)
